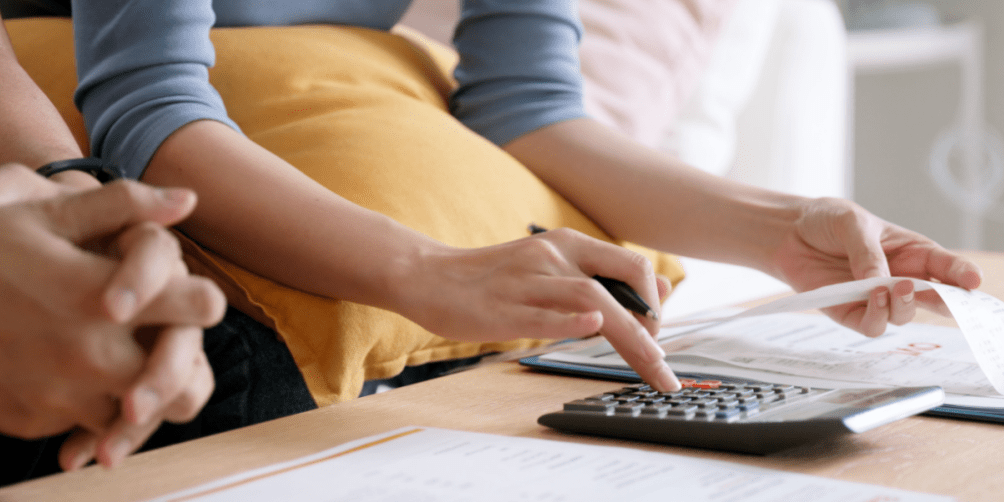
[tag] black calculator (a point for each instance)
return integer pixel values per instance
(747, 417)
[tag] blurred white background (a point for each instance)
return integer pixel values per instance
(901, 114)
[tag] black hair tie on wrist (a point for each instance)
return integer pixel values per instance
(103, 171)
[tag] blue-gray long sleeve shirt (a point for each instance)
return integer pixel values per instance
(143, 64)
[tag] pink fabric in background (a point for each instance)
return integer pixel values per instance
(641, 59)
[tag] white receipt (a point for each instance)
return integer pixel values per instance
(980, 316)
(438, 465)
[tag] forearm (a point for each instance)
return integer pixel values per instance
(644, 196)
(261, 213)
(31, 130)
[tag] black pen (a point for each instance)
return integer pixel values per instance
(624, 294)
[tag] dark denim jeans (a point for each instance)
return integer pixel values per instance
(416, 374)
(256, 380)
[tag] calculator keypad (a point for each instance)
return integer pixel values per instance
(698, 400)
(748, 417)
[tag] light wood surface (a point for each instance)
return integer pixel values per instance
(952, 457)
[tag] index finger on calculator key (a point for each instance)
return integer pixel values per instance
(646, 357)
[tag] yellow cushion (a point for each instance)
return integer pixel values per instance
(364, 113)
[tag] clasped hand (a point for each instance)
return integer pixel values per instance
(102, 331)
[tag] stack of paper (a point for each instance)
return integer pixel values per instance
(437, 465)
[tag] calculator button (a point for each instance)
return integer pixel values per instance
(657, 409)
(704, 403)
(705, 414)
(632, 409)
(728, 403)
(589, 405)
(672, 395)
(727, 413)
(708, 384)
(681, 410)
(643, 394)
(600, 397)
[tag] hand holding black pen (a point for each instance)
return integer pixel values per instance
(624, 294)
(640, 349)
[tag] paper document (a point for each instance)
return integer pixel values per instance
(770, 343)
(433, 465)
(812, 350)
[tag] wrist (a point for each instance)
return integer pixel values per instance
(760, 225)
(409, 276)
(102, 171)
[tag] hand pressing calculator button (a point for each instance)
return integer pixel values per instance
(748, 417)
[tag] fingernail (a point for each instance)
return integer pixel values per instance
(883, 299)
(81, 458)
(667, 380)
(118, 451)
(145, 401)
(907, 298)
(121, 304)
(667, 284)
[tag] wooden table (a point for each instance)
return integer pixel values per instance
(953, 457)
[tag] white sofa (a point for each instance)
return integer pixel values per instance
(772, 108)
(771, 111)
(769, 107)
